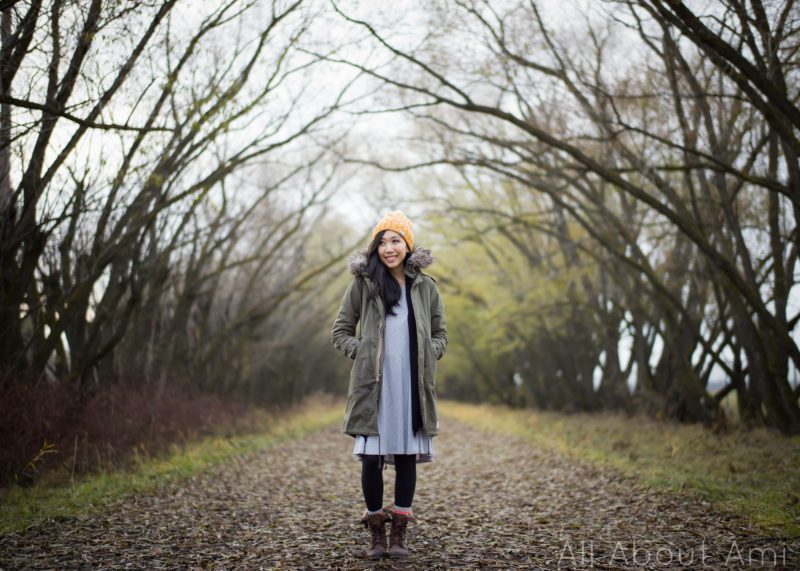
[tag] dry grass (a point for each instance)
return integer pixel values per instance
(56, 496)
(751, 472)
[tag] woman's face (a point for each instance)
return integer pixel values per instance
(392, 250)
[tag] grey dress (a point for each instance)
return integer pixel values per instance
(394, 409)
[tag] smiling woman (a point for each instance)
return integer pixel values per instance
(392, 250)
(391, 404)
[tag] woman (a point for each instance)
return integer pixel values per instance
(391, 403)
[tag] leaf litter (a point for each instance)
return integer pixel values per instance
(487, 501)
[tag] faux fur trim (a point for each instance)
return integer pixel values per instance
(419, 259)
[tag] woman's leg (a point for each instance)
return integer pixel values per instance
(372, 482)
(405, 466)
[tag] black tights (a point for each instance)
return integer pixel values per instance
(405, 480)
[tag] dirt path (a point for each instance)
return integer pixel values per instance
(487, 501)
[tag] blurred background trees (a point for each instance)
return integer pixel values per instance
(610, 190)
(653, 147)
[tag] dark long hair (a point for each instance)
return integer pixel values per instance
(383, 283)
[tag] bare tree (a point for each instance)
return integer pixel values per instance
(139, 194)
(666, 163)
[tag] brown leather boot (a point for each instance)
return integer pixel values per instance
(376, 523)
(397, 542)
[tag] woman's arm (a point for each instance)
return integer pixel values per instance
(344, 327)
(438, 324)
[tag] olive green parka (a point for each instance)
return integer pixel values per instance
(365, 347)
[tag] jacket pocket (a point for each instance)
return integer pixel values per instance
(362, 372)
(359, 409)
(429, 375)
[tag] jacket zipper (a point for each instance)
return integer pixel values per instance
(422, 401)
(378, 362)
(378, 369)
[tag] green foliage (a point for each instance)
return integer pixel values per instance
(507, 288)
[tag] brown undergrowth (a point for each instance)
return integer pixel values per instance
(46, 432)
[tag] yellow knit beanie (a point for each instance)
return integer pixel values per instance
(398, 222)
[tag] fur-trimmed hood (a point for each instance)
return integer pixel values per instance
(419, 259)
